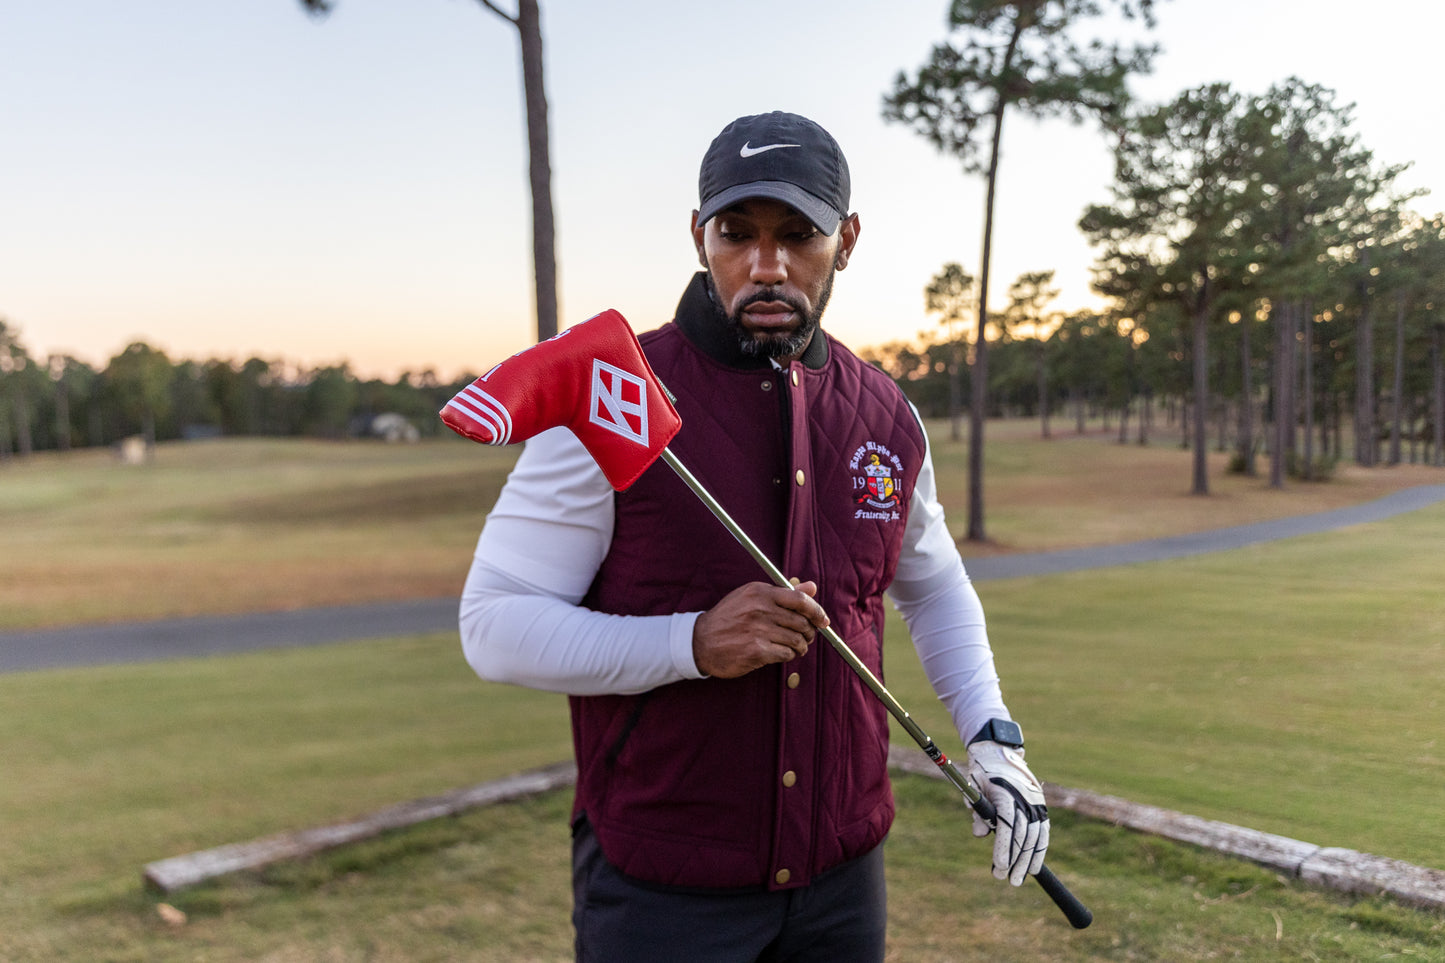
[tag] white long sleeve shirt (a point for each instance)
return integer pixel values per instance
(548, 533)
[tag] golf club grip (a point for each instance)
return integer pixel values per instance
(1074, 911)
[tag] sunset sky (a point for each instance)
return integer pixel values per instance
(236, 179)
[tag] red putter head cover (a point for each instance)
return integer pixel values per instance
(592, 378)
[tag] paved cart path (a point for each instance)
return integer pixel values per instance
(213, 635)
(1198, 543)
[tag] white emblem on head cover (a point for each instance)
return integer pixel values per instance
(619, 402)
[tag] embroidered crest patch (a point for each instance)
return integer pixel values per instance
(877, 482)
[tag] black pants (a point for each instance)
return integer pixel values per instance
(841, 917)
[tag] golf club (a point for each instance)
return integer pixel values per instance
(1077, 913)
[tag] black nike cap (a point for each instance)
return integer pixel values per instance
(780, 156)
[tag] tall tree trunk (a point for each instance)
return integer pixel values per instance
(95, 425)
(1291, 354)
(1043, 391)
(1417, 404)
(1365, 446)
(980, 357)
(1200, 484)
(955, 392)
(1128, 397)
(979, 371)
(1219, 405)
(1397, 385)
(25, 444)
(1246, 401)
(62, 415)
(528, 22)
(1308, 364)
(1437, 386)
(1283, 324)
(1338, 417)
(544, 248)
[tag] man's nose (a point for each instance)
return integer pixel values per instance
(769, 265)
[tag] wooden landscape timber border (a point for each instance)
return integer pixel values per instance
(179, 872)
(1344, 870)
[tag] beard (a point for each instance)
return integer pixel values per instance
(772, 344)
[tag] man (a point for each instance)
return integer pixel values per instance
(732, 789)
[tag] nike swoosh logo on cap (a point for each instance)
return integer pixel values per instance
(748, 150)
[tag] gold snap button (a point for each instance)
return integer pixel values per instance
(767, 386)
(793, 680)
(800, 476)
(790, 779)
(782, 876)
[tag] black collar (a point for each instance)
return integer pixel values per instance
(697, 317)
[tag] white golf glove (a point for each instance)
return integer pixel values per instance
(1022, 837)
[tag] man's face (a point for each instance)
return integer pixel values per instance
(771, 272)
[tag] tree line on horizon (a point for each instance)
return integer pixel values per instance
(61, 402)
(1262, 272)
(1132, 374)
(1102, 370)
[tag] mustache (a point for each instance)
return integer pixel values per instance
(770, 297)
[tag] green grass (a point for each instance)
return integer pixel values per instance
(109, 768)
(1289, 687)
(1151, 899)
(239, 525)
(493, 885)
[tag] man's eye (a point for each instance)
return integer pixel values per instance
(732, 236)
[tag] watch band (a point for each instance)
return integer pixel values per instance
(1005, 732)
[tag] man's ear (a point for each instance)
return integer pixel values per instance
(698, 232)
(849, 229)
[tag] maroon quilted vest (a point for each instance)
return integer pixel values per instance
(772, 778)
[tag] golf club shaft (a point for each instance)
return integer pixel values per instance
(1078, 914)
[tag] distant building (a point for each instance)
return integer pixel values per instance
(132, 450)
(391, 426)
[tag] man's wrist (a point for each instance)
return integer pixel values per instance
(680, 643)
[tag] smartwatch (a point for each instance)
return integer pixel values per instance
(1005, 732)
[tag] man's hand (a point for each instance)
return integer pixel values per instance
(755, 625)
(1023, 819)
